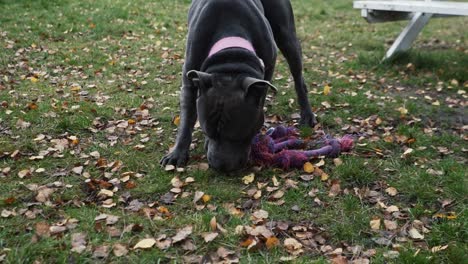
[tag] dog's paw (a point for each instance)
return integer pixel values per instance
(176, 158)
(308, 119)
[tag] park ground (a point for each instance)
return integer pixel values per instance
(89, 105)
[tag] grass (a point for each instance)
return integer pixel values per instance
(67, 67)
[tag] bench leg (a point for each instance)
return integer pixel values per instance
(409, 34)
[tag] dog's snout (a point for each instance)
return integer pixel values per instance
(227, 165)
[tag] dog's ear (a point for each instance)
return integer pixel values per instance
(256, 90)
(249, 81)
(201, 80)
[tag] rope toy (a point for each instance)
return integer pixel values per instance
(280, 147)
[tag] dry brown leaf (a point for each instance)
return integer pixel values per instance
(335, 188)
(339, 260)
(182, 234)
(375, 224)
(198, 195)
(24, 173)
(43, 194)
(392, 209)
(78, 170)
(260, 214)
(391, 191)
(208, 237)
(119, 250)
(293, 246)
(78, 242)
(390, 225)
(101, 252)
(272, 242)
(213, 223)
(414, 234)
(42, 229)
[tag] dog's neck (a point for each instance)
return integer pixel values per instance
(233, 42)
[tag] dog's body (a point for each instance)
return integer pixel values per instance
(230, 59)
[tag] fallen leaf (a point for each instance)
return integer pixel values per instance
(145, 243)
(57, 229)
(391, 191)
(78, 170)
(206, 198)
(176, 121)
(339, 260)
(248, 179)
(338, 162)
(208, 237)
(182, 234)
(407, 152)
(293, 246)
(375, 224)
(392, 209)
(308, 167)
(198, 195)
(78, 242)
(390, 225)
(319, 164)
(326, 90)
(260, 214)
(414, 234)
(438, 248)
(101, 252)
(119, 250)
(272, 242)
(335, 188)
(43, 194)
(42, 229)
(24, 173)
(213, 223)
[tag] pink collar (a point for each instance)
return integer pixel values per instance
(233, 42)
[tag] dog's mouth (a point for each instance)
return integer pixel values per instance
(226, 157)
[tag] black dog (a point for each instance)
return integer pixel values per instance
(230, 59)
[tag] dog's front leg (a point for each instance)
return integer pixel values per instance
(188, 116)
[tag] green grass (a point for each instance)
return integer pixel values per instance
(127, 57)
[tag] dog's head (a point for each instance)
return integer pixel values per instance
(230, 111)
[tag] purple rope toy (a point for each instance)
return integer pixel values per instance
(273, 148)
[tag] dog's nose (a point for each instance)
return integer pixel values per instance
(227, 166)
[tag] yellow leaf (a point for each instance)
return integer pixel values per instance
(145, 243)
(206, 198)
(249, 178)
(324, 177)
(375, 224)
(451, 216)
(34, 79)
(403, 111)
(176, 120)
(308, 167)
(326, 90)
(131, 121)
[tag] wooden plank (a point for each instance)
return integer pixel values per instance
(430, 7)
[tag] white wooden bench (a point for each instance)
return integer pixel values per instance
(418, 12)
